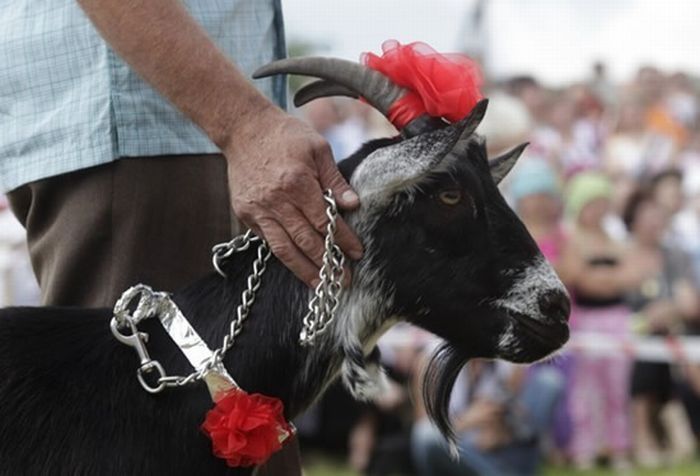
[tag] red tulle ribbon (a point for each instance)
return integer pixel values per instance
(440, 85)
(246, 429)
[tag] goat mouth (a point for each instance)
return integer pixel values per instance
(553, 334)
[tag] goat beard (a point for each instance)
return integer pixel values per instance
(438, 380)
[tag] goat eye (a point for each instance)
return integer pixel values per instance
(450, 197)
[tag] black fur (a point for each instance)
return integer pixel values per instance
(446, 265)
(439, 378)
(69, 399)
(71, 403)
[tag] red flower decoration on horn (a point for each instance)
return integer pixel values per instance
(440, 85)
(245, 429)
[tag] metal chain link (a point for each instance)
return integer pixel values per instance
(221, 252)
(321, 307)
(224, 250)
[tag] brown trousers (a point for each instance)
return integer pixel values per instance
(152, 220)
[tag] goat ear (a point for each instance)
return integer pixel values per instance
(467, 126)
(500, 166)
(474, 118)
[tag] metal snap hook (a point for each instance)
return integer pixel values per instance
(148, 368)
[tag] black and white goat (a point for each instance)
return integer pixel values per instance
(442, 250)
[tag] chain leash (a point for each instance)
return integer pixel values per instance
(323, 304)
(321, 310)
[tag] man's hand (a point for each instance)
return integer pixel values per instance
(279, 168)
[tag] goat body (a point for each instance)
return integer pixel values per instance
(442, 250)
(71, 403)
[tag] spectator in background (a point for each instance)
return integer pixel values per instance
(500, 413)
(689, 391)
(18, 286)
(344, 123)
(587, 135)
(507, 122)
(551, 137)
(601, 85)
(688, 227)
(686, 224)
(531, 93)
(534, 191)
(666, 188)
(593, 268)
(536, 195)
(665, 301)
(681, 102)
(625, 151)
(323, 116)
(666, 129)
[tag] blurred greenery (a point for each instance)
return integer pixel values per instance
(328, 469)
(321, 466)
(691, 469)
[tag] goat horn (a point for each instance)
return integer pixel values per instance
(325, 88)
(468, 125)
(320, 89)
(376, 88)
(501, 165)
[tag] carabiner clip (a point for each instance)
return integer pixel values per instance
(148, 368)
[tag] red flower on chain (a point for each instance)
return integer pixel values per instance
(246, 429)
(440, 85)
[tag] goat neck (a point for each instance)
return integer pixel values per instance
(267, 357)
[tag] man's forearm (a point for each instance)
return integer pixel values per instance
(163, 43)
(281, 164)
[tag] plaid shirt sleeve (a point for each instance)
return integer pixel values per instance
(68, 102)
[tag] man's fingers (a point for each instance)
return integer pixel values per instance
(314, 209)
(280, 196)
(303, 234)
(286, 251)
(330, 177)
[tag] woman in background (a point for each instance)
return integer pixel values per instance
(536, 197)
(665, 301)
(594, 269)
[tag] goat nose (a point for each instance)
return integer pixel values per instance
(555, 305)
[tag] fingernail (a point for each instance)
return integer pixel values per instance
(315, 283)
(355, 254)
(350, 197)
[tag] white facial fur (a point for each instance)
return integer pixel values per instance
(524, 296)
(362, 315)
(396, 165)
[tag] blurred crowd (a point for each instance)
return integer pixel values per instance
(609, 187)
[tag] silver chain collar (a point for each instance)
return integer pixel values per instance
(321, 310)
